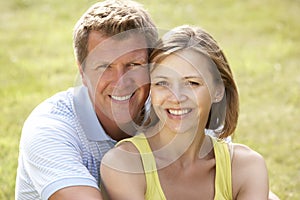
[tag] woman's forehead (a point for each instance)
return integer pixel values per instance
(185, 62)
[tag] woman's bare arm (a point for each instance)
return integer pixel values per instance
(122, 175)
(249, 174)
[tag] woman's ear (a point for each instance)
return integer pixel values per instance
(219, 93)
(82, 75)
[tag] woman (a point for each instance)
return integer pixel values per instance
(192, 89)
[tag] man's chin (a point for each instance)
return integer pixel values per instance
(122, 119)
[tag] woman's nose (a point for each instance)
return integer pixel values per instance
(177, 94)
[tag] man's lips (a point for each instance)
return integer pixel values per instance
(121, 97)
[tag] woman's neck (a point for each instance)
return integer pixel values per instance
(187, 147)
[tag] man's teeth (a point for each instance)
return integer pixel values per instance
(121, 98)
(179, 112)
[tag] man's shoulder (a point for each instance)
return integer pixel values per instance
(59, 103)
(56, 111)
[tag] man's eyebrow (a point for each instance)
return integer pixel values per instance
(100, 64)
(140, 58)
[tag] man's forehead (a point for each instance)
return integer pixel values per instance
(122, 42)
(109, 57)
(110, 48)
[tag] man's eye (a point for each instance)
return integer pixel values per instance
(102, 66)
(132, 65)
(137, 65)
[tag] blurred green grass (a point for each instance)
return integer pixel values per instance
(260, 38)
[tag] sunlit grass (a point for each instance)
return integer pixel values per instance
(260, 38)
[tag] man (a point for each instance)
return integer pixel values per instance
(65, 137)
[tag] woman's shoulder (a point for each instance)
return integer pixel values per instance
(120, 166)
(245, 158)
(124, 157)
(243, 153)
(249, 171)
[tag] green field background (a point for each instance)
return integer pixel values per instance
(261, 40)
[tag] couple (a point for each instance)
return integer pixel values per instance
(65, 138)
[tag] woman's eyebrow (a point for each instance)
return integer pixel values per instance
(194, 77)
(159, 76)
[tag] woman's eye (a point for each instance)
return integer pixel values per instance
(162, 83)
(193, 83)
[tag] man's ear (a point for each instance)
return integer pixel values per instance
(82, 75)
(219, 93)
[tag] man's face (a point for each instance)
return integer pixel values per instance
(117, 76)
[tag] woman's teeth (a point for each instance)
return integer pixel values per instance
(179, 112)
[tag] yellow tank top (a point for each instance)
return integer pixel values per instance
(223, 185)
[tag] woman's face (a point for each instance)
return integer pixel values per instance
(181, 90)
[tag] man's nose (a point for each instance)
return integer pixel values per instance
(121, 76)
(119, 72)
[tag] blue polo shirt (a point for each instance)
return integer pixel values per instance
(62, 145)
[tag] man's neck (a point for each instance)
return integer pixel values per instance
(114, 130)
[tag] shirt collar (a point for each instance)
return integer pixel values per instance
(87, 116)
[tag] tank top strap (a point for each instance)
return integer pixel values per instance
(154, 190)
(223, 183)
